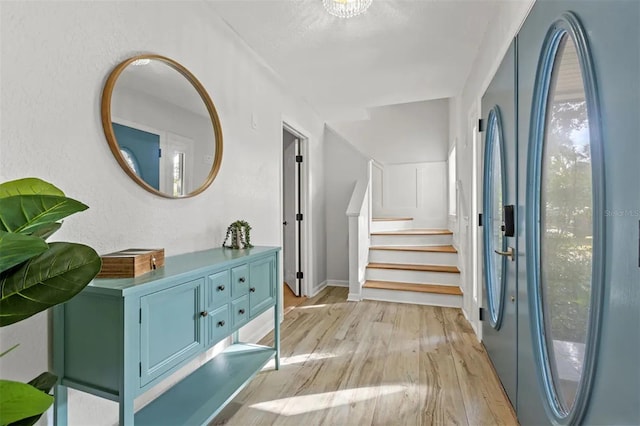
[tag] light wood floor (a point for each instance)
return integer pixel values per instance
(290, 300)
(373, 363)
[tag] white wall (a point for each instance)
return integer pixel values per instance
(417, 190)
(55, 57)
(344, 166)
(403, 133)
(505, 24)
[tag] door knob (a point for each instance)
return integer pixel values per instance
(285, 223)
(204, 314)
(510, 253)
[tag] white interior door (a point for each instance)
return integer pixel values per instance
(290, 208)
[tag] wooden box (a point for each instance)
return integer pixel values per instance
(130, 263)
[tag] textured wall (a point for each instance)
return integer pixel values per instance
(403, 133)
(55, 57)
(504, 25)
(344, 166)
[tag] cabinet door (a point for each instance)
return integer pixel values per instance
(170, 328)
(263, 284)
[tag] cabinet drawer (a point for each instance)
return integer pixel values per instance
(239, 281)
(218, 325)
(240, 311)
(218, 290)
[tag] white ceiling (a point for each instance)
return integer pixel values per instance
(399, 51)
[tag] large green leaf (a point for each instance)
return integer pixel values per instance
(16, 248)
(28, 213)
(46, 230)
(28, 186)
(44, 383)
(19, 401)
(46, 280)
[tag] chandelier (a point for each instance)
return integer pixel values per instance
(346, 8)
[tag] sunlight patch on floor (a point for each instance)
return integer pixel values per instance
(299, 359)
(302, 404)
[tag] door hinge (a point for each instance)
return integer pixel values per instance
(480, 125)
(479, 219)
(481, 314)
(140, 316)
(298, 158)
(298, 216)
(159, 152)
(139, 369)
(299, 275)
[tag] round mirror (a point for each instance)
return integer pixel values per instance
(161, 126)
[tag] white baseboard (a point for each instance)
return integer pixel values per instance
(317, 289)
(337, 283)
(354, 297)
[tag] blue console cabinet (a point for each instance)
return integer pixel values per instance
(120, 337)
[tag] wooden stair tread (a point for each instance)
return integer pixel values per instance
(413, 267)
(421, 288)
(390, 219)
(437, 249)
(414, 232)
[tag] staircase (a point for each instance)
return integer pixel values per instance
(408, 265)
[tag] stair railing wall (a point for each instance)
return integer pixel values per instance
(359, 215)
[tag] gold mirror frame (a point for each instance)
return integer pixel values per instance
(113, 142)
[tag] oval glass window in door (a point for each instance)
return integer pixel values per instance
(493, 239)
(565, 200)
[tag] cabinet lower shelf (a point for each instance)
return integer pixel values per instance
(200, 396)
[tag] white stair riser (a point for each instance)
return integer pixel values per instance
(412, 297)
(416, 277)
(411, 240)
(414, 257)
(390, 225)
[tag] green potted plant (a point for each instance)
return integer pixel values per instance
(238, 235)
(34, 276)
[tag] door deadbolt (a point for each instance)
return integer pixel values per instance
(508, 224)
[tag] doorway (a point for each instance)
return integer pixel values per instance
(293, 200)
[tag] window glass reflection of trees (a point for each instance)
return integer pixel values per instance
(566, 222)
(498, 261)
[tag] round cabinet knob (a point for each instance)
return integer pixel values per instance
(241, 311)
(220, 323)
(204, 314)
(241, 279)
(513, 298)
(220, 288)
(252, 289)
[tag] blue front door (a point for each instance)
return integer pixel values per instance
(144, 148)
(570, 344)
(499, 329)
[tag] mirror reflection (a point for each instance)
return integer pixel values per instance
(162, 126)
